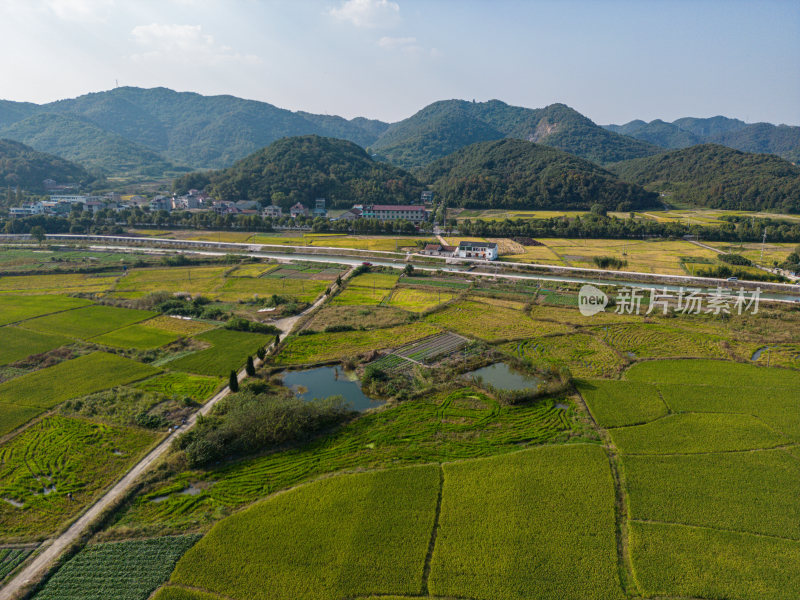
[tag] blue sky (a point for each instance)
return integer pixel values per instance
(611, 60)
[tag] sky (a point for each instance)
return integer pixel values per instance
(612, 60)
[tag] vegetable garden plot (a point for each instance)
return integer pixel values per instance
(436, 346)
(117, 570)
(291, 545)
(11, 558)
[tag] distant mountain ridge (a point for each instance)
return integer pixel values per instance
(764, 138)
(446, 126)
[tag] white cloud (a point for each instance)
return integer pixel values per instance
(185, 44)
(368, 13)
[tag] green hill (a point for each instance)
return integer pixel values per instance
(522, 175)
(782, 140)
(443, 127)
(81, 141)
(300, 169)
(22, 166)
(719, 177)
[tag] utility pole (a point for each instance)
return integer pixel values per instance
(763, 242)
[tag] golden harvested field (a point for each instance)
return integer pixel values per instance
(58, 284)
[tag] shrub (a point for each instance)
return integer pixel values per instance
(233, 382)
(735, 259)
(240, 324)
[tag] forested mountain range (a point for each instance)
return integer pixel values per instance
(782, 140)
(22, 166)
(443, 127)
(719, 177)
(516, 174)
(300, 169)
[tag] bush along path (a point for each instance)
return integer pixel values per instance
(39, 566)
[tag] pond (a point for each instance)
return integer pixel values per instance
(323, 382)
(504, 377)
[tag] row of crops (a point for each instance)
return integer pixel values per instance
(10, 558)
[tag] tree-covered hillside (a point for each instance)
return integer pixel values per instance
(443, 127)
(22, 166)
(782, 140)
(81, 141)
(719, 177)
(522, 175)
(300, 169)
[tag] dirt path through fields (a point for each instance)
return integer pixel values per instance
(52, 549)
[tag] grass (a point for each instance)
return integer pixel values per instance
(619, 403)
(179, 326)
(196, 387)
(532, 524)
(417, 300)
(229, 351)
(688, 433)
(695, 562)
(119, 570)
(140, 337)
(582, 353)
(19, 308)
(491, 323)
(371, 317)
(16, 343)
(332, 346)
(335, 538)
(88, 322)
(174, 592)
(55, 457)
(753, 492)
(434, 428)
(48, 387)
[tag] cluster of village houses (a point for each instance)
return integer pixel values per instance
(194, 200)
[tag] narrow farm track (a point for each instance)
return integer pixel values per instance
(52, 550)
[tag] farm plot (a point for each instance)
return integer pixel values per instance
(688, 433)
(139, 336)
(196, 387)
(548, 531)
(88, 322)
(359, 296)
(58, 284)
(418, 300)
(491, 323)
(56, 457)
(290, 546)
(619, 403)
(20, 308)
(332, 346)
(427, 350)
(35, 392)
(582, 353)
(440, 427)
(11, 558)
(781, 355)
(244, 288)
(189, 280)
(17, 343)
(672, 560)
(647, 340)
(385, 281)
(712, 373)
(119, 570)
(753, 492)
(253, 270)
(358, 318)
(184, 327)
(228, 352)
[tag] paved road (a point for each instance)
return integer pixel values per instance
(54, 548)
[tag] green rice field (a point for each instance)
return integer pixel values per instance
(228, 351)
